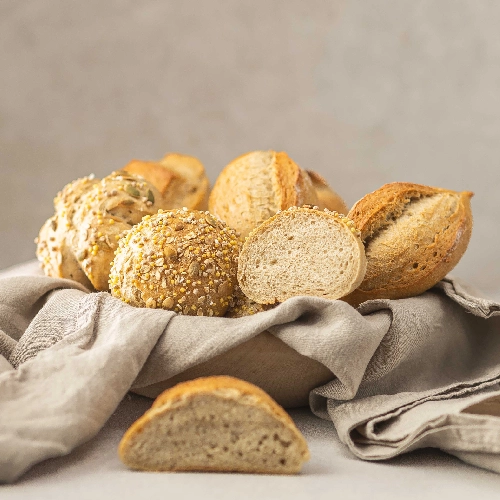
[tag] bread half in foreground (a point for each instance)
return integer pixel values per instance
(414, 235)
(218, 424)
(301, 251)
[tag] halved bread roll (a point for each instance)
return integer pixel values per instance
(215, 424)
(301, 251)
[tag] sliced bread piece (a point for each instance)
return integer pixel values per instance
(215, 424)
(301, 251)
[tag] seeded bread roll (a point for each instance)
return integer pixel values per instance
(414, 235)
(327, 197)
(301, 251)
(181, 260)
(253, 187)
(55, 240)
(216, 424)
(180, 179)
(90, 218)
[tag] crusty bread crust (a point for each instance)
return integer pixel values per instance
(180, 179)
(327, 197)
(225, 388)
(254, 186)
(414, 235)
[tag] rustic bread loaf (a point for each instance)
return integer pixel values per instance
(218, 424)
(90, 218)
(414, 235)
(181, 260)
(180, 179)
(301, 251)
(327, 197)
(253, 187)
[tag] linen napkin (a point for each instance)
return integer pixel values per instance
(406, 373)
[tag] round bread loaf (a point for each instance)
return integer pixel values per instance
(301, 251)
(327, 197)
(180, 179)
(253, 187)
(181, 260)
(414, 235)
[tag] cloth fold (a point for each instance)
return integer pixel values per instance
(408, 373)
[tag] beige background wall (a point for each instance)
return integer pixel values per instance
(365, 92)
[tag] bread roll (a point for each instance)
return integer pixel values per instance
(181, 260)
(180, 179)
(55, 240)
(217, 424)
(253, 187)
(90, 218)
(301, 251)
(414, 235)
(327, 197)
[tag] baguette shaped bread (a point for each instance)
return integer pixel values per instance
(301, 251)
(180, 179)
(218, 424)
(180, 260)
(327, 197)
(254, 186)
(414, 235)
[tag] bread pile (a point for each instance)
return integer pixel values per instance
(272, 231)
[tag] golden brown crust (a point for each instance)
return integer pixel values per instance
(55, 240)
(414, 235)
(327, 197)
(79, 241)
(180, 260)
(180, 179)
(254, 186)
(211, 385)
(103, 214)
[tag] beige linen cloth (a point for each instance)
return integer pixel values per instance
(412, 373)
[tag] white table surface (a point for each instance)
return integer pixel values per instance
(93, 471)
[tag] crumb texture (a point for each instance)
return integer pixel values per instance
(301, 252)
(215, 429)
